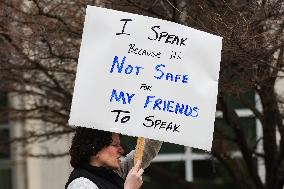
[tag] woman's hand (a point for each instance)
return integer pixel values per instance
(134, 177)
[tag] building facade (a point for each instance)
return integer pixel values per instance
(18, 171)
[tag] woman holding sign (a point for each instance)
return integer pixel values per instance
(95, 157)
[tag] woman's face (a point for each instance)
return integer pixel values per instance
(109, 156)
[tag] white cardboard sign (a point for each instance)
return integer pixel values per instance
(146, 77)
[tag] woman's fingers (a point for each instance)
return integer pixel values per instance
(137, 166)
(140, 172)
(134, 178)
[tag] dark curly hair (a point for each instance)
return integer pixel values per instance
(87, 142)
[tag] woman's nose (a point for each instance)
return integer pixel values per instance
(121, 150)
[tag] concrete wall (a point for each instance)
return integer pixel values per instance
(52, 173)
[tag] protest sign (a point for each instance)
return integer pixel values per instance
(147, 77)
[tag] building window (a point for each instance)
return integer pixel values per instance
(5, 157)
(6, 178)
(4, 138)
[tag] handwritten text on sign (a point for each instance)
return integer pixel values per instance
(146, 77)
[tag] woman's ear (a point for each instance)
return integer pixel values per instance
(96, 155)
(94, 158)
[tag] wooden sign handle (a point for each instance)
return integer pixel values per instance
(139, 149)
